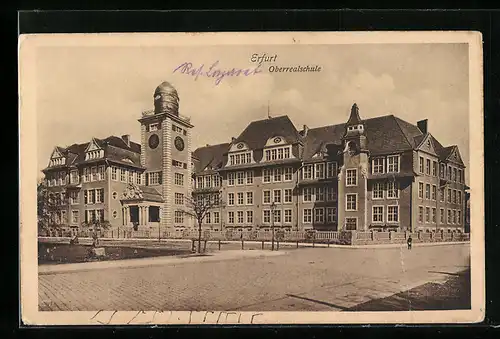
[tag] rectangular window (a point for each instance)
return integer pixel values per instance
(217, 180)
(240, 198)
(154, 127)
(230, 199)
(392, 190)
(421, 164)
(441, 194)
(102, 172)
(179, 217)
(421, 190)
(277, 196)
(208, 218)
(240, 217)
(331, 169)
(427, 191)
(277, 216)
(442, 171)
(64, 219)
(131, 177)
(208, 181)
(393, 164)
(99, 196)
(378, 214)
(449, 195)
(267, 216)
(216, 217)
(459, 217)
(449, 217)
(249, 177)
(307, 215)
(240, 178)
(459, 178)
(454, 174)
(288, 174)
(199, 182)
(249, 217)
(351, 224)
(288, 216)
(90, 197)
(266, 174)
(454, 216)
(428, 166)
(427, 214)
(154, 178)
(179, 179)
(319, 215)
(319, 171)
(287, 153)
(378, 190)
(331, 214)
(378, 165)
(63, 198)
(434, 192)
(351, 177)
(73, 197)
(74, 178)
(230, 179)
(75, 216)
(267, 196)
(331, 194)
(307, 172)
(287, 192)
(94, 173)
(393, 214)
(454, 196)
(351, 202)
(434, 168)
(420, 214)
(459, 197)
(307, 194)
(434, 215)
(62, 178)
(277, 175)
(86, 174)
(249, 198)
(179, 199)
(320, 194)
(449, 172)
(230, 217)
(441, 215)
(123, 175)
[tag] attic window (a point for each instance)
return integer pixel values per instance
(360, 127)
(153, 127)
(57, 161)
(428, 143)
(96, 154)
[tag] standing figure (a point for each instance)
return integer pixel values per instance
(409, 242)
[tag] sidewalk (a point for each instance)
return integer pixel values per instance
(153, 261)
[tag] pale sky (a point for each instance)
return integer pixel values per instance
(85, 92)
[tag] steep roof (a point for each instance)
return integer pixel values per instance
(211, 155)
(256, 134)
(354, 118)
(115, 148)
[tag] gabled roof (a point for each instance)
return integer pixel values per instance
(256, 134)
(115, 149)
(210, 156)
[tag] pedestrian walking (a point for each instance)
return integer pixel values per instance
(409, 242)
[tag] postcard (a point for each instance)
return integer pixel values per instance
(251, 178)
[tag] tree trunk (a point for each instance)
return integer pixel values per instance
(199, 236)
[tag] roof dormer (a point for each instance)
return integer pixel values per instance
(57, 158)
(93, 151)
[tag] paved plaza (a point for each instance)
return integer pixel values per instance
(307, 279)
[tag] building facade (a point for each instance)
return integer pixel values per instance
(365, 174)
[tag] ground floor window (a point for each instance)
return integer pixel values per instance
(75, 216)
(154, 213)
(331, 214)
(378, 213)
(307, 215)
(392, 213)
(179, 217)
(351, 223)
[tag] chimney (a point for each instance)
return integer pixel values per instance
(126, 139)
(422, 126)
(305, 129)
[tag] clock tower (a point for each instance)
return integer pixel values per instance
(166, 155)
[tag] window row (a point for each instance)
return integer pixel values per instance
(310, 194)
(454, 196)
(319, 215)
(389, 190)
(277, 174)
(238, 217)
(127, 175)
(278, 153)
(212, 217)
(319, 171)
(178, 129)
(427, 166)
(57, 162)
(379, 216)
(94, 196)
(94, 154)
(277, 196)
(240, 198)
(430, 191)
(89, 216)
(208, 181)
(428, 215)
(389, 164)
(240, 178)
(179, 164)
(240, 158)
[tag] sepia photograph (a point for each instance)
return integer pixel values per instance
(239, 178)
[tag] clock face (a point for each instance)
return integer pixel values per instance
(154, 141)
(179, 143)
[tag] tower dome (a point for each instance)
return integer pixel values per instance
(166, 99)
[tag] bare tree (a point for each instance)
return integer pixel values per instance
(201, 203)
(48, 205)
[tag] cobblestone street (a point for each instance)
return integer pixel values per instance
(312, 279)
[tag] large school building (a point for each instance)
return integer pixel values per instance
(364, 174)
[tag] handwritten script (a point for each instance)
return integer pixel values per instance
(214, 72)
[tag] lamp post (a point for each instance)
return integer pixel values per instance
(273, 207)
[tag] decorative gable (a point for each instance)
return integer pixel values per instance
(455, 156)
(93, 151)
(275, 141)
(57, 158)
(427, 145)
(239, 146)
